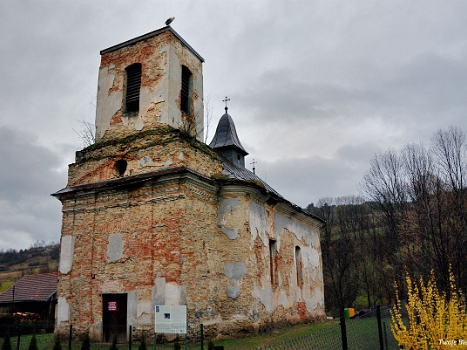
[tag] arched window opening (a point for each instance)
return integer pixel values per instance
(185, 94)
(133, 86)
(298, 266)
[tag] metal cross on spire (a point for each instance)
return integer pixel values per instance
(254, 163)
(226, 100)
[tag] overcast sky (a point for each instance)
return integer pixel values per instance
(316, 87)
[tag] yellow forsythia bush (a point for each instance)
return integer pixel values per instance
(435, 320)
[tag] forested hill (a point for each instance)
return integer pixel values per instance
(39, 258)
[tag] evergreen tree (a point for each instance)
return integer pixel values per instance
(211, 343)
(86, 343)
(57, 345)
(114, 343)
(33, 343)
(142, 346)
(6, 342)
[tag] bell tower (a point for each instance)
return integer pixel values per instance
(152, 80)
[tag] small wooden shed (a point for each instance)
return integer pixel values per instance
(32, 294)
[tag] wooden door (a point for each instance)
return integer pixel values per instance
(114, 317)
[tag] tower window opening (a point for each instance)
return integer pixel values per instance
(133, 86)
(185, 93)
(120, 167)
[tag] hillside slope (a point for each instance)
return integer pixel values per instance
(14, 264)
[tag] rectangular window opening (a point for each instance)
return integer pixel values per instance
(272, 261)
(185, 90)
(133, 86)
(299, 266)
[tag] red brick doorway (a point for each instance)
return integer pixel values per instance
(114, 317)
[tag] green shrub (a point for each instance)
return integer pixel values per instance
(210, 344)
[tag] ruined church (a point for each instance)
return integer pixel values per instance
(154, 216)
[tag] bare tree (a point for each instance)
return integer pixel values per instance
(340, 245)
(449, 147)
(384, 185)
(422, 198)
(87, 134)
(207, 118)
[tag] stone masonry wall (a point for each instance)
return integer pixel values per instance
(161, 148)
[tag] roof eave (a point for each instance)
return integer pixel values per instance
(150, 35)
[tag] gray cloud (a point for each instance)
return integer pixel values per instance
(316, 87)
(28, 177)
(306, 180)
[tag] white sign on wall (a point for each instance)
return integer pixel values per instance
(112, 306)
(170, 319)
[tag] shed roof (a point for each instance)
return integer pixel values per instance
(38, 287)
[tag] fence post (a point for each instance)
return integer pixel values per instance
(202, 335)
(69, 337)
(343, 331)
(380, 328)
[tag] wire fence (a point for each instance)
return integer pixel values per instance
(366, 332)
(20, 337)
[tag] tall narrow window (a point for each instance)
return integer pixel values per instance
(298, 266)
(186, 90)
(272, 261)
(133, 86)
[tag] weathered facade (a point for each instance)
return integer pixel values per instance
(153, 216)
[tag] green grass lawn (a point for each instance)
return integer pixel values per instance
(46, 341)
(361, 334)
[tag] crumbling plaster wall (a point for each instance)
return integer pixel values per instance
(159, 150)
(248, 298)
(161, 57)
(184, 241)
(267, 223)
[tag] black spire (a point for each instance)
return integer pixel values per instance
(226, 140)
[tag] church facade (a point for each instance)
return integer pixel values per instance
(154, 216)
